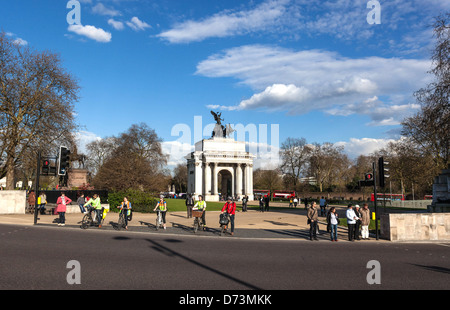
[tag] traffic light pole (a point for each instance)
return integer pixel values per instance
(375, 199)
(36, 187)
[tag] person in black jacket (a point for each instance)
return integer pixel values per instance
(189, 205)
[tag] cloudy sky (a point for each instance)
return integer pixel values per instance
(316, 69)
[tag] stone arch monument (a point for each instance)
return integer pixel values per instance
(220, 160)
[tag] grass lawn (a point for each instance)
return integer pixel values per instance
(174, 205)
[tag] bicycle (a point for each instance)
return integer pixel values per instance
(159, 220)
(121, 221)
(88, 221)
(223, 221)
(198, 223)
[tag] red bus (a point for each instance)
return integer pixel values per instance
(260, 192)
(391, 197)
(284, 194)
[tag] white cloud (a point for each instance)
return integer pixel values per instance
(227, 23)
(83, 138)
(20, 41)
(302, 81)
(91, 32)
(365, 146)
(176, 151)
(118, 25)
(136, 24)
(101, 9)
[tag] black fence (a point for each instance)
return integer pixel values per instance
(52, 195)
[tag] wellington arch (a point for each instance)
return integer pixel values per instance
(220, 165)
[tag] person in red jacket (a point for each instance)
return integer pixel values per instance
(61, 208)
(230, 208)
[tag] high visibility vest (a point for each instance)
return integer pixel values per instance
(201, 205)
(162, 206)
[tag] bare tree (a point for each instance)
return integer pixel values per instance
(429, 129)
(37, 102)
(294, 156)
(323, 159)
(180, 175)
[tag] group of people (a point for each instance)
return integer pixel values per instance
(358, 221)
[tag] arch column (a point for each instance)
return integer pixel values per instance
(215, 187)
(238, 179)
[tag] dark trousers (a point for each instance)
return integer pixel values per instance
(357, 227)
(62, 217)
(204, 218)
(351, 231)
(189, 211)
(313, 229)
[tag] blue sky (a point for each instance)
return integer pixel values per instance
(318, 69)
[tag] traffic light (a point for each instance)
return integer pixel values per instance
(368, 177)
(63, 162)
(45, 167)
(382, 169)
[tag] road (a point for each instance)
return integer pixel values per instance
(37, 257)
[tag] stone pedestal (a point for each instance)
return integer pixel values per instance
(441, 193)
(77, 178)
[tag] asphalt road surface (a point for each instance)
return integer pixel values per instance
(37, 258)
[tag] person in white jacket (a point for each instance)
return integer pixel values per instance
(351, 221)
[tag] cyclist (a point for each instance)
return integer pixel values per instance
(201, 206)
(162, 207)
(96, 204)
(125, 208)
(230, 208)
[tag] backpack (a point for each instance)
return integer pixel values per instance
(223, 220)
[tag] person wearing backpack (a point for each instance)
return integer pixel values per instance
(230, 208)
(189, 205)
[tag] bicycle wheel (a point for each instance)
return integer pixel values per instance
(86, 222)
(121, 222)
(158, 221)
(196, 224)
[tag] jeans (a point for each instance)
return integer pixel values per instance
(62, 217)
(82, 209)
(333, 233)
(232, 222)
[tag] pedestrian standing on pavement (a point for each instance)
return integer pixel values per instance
(31, 201)
(358, 222)
(80, 202)
(189, 205)
(295, 202)
(323, 206)
(42, 202)
(313, 216)
(230, 208)
(333, 221)
(61, 208)
(365, 221)
(351, 221)
(266, 202)
(244, 203)
(261, 203)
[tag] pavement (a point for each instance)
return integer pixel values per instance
(276, 224)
